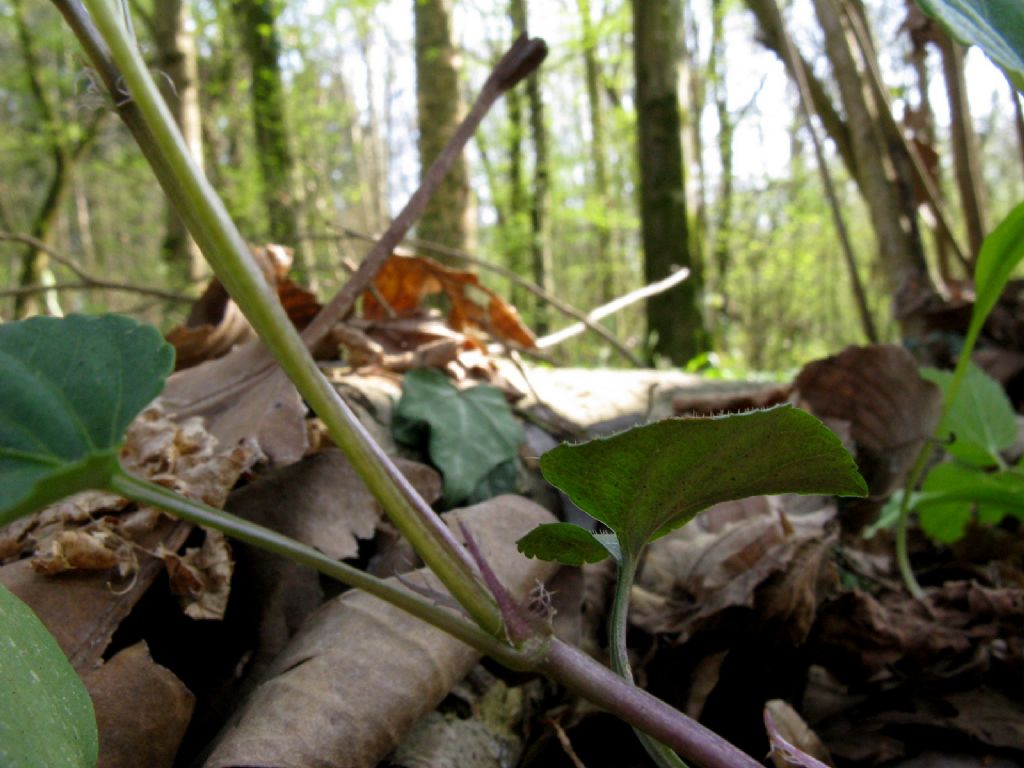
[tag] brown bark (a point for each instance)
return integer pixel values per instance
(602, 231)
(883, 170)
(176, 57)
(541, 267)
(965, 145)
(449, 217)
(674, 318)
(256, 21)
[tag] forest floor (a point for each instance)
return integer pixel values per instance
(200, 652)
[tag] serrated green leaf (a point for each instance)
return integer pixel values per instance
(471, 431)
(952, 493)
(46, 715)
(564, 543)
(649, 480)
(980, 420)
(996, 26)
(70, 387)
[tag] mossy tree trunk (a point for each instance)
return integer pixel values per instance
(673, 318)
(448, 219)
(176, 56)
(256, 20)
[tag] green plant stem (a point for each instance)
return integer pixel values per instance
(215, 233)
(663, 756)
(543, 654)
(149, 494)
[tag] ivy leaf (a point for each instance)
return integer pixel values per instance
(70, 387)
(981, 419)
(951, 492)
(564, 542)
(649, 480)
(996, 26)
(46, 715)
(469, 432)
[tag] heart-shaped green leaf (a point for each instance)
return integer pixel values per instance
(981, 420)
(996, 26)
(70, 387)
(649, 480)
(46, 716)
(470, 431)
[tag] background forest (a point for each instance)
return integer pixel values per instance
(311, 118)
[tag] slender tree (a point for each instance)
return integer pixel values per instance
(674, 318)
(541, 267)
(449, 219)
(598, 153)
(65, 153)
(171, 27)
(256, 20)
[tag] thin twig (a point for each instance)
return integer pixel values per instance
(508, 274)
(95, 285)
(520, 60)
(796, 66)
(651, 289)
(85, 282)
(874, 78)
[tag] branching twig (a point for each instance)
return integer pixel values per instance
(86, 282)
(508, 274)
(652, 289)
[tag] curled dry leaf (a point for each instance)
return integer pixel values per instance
(404, 281)
(361, 672)
(891, 410)
(142, 710)
(727, 558)
(215, 324)
(201, 578)
(82, 610)
(794, 744)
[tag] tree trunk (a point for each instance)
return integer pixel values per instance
(965, 145)
(541, 267)
(256, 21)
(770, 34)
(1018, 118)
(720, 248)
(176, 54)
(602, 231)
(674, 319)
(882, 169)
(448, 219)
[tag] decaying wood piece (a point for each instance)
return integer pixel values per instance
(361, 672)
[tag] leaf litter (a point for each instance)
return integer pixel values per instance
(773, 602)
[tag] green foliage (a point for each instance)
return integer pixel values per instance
(647, 481)
(996, 26)
(980, 422)
(46, 715)
(469, 433)
(70, 387)
(953, 494)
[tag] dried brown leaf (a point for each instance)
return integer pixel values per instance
(360, 673)
(794, 744)
(142, 710)
(404, 281)
(890, 408)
